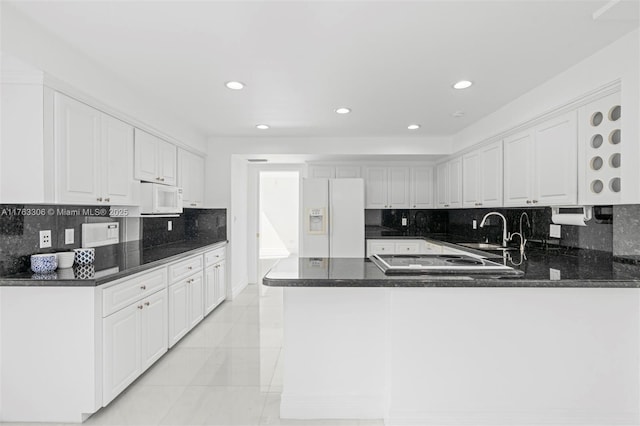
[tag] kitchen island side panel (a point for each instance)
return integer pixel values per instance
(482, 356)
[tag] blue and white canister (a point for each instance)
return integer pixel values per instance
(84, 256)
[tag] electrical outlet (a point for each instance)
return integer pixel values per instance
(404, 221)
(45, 239)
(554, 274)
(169, 225)
(69, 236)
(555, 231)
(475, 224)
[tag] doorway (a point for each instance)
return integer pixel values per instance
(277, 217)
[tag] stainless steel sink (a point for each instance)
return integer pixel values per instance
(485, 246)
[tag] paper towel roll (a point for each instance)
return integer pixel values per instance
(569, 219)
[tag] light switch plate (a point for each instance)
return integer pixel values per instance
(475, 224)
(555, 231)
(69, 236)
(554, 274)
(404, 221)
(169, 225)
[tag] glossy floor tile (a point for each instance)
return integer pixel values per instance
(227, 371)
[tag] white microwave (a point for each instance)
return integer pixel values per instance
(160, 199)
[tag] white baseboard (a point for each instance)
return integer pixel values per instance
(236, 290)
(331, 406)
(510, 418)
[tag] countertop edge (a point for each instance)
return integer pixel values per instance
(96, 282)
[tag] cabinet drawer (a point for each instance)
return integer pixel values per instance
(214, 256)
(381, 248)
(185, 267)
(131, 289)
(402, 248)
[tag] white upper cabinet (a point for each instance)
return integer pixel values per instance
(387, 187)
(555, 150)
(421, 187)
(94, 155)
(482, 176)
(155, 159)
(191, 178)
(449, 183)
(376, 188)
(334, 172)
(119, 185)
(540, 165)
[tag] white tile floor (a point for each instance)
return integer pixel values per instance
(226, 371)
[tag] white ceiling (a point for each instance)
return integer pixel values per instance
(392, 62)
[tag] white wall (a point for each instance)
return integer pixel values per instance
(22, 38)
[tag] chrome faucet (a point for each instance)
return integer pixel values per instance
(505, 237)
(523, 239)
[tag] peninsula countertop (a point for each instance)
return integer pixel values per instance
(113, 262)
(566, 268)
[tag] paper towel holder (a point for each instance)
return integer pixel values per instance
(567, 215)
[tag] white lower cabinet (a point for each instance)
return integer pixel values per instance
(186, 298)
(215, 289)
(134, 337)
(406, 246)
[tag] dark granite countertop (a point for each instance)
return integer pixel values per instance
(111, 263)
(551, 267)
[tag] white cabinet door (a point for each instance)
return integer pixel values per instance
(442, 185)
(376, 188)
(121, 337)
(490, 175)
(167, 162)
(555, 150)
(118, 184)
(518, 170)
(153, 326)
(146, 156)
(191, 178)
(347, 172)
(155, 159)
(455, 182)
(210, 297)
(179, 315)
(221, 283)
(398, 188)
(471, 179)
(421, 187)
(322, 172)
(196, 300)
(77, 150)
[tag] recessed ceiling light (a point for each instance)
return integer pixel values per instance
(234, 85)
(458, 114)
(343, 110)
(262, 126)
(462, 84)
(413, 126)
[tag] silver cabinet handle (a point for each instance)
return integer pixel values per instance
(140, 306)
(143, 287)
(107, 199)
(99, 198)
(146, 303)
(535, 201)
(528, 201)
(194, 204)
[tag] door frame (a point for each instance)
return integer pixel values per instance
(253, 213)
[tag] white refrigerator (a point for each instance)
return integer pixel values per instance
(332, 218)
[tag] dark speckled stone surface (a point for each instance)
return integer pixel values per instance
(112, 262)
(564, 267)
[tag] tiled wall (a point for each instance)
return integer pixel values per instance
(595, 236)
(20, 226)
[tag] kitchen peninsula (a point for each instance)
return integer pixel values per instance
(462, 349)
